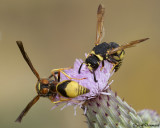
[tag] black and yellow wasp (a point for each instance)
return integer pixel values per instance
(112, 52)
(48, 87)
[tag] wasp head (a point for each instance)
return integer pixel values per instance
(92, 62)
(43, 87)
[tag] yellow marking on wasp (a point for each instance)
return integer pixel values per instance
(107, 54)
(93, 52)
(61, 99)
(116, 57)
(114, 65)
(39, 85)
(122, 55)
(72, 89)
(118, 52)
(100, 57)
(89, 67)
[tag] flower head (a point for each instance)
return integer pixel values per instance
(149, 116)
(102, 107)
(96, 88)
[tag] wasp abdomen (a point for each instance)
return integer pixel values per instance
(118, 66)
(71, 89)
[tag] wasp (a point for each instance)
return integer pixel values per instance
(112, 52)
(47, 87)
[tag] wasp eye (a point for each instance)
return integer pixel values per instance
(42, 87)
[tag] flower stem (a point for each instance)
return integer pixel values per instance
(110, 111)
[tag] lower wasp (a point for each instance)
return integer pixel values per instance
(47, 87)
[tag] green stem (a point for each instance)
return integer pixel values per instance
(109, 111)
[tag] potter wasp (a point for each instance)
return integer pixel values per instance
(112, 52)
(48, 87)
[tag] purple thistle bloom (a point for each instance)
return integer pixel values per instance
(102, 107)
(96, 88)
(149, 116)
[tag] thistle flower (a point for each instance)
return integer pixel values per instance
(96, 88)
(150, 117)
(102, 107)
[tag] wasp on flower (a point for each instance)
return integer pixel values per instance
(62, 89)
(112, 52)
(91, 81)
(47, 87)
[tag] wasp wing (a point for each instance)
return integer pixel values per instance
(127, 45)
(25, 56)
(27, 108)
(100, 27)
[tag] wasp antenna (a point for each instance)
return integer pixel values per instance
(128, 45)
(25, 56)
(27, 108)
(79, 71)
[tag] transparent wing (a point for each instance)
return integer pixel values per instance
(127, 45)
(100, 27)
(25, 56)
(27, 108)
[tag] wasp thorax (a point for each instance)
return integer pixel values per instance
(42, 87)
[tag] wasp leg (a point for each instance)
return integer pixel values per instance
(56, 71)
(51, 98)
(94, 77)
(102, 65)
(61, 70)
(53, 75)
(79, 71)
(114, 65)
(61, 100)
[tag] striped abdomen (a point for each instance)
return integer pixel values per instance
(71, 89)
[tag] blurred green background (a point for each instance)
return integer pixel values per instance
(55, 33)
